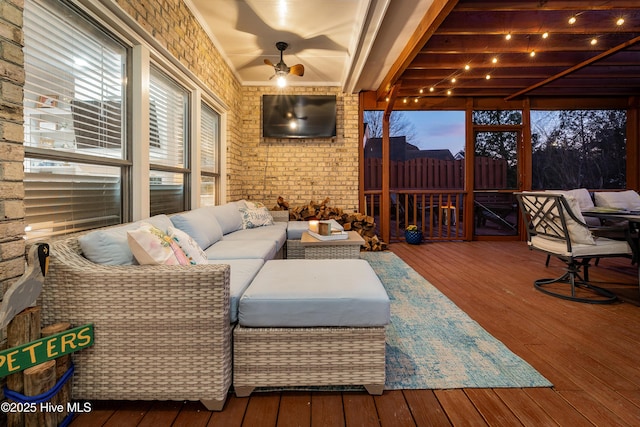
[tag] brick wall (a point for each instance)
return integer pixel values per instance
(300, 170)
(12, 244)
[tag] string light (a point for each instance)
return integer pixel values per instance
(405, 100)
(488, 76)
(620, 21)
(572, 20)
(508, 36)
(532, 53)
(453, 80)
(545, 35)
(467, 67)
(594, 41)
(494, 60)
(421, 90)
(431, 89)
(449, 92)
(415, 100)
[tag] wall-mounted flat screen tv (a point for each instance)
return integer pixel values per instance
(298, 116)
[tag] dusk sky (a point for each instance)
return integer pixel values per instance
(438, 129)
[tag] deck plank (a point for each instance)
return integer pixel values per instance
(393, 409)
(327, 409)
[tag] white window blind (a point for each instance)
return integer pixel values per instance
(169, 103)
(209, 149)
(74, 109)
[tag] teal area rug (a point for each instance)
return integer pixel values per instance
(432, 344)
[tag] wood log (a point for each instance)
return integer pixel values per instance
(37, 380)
(24, 328)
(365, 225)
(62, 365)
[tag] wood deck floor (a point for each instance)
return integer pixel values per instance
(590, 353)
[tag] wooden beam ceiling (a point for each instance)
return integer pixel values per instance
(566, 64)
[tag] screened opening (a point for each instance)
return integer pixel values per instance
(579, 149)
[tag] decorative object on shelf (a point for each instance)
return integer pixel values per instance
(48, 101)
(412, 235)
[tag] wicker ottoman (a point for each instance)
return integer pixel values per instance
(311, 323)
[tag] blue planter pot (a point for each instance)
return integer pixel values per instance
(413, 237)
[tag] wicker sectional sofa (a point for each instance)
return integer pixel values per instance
(162, 332)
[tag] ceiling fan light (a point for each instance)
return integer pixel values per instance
(282, 81)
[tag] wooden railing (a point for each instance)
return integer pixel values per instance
(429, 193)
(438, 214)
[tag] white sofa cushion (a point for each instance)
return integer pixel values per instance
(228, 216)
(628, 199)
(319, 292)
(276, 233)
(296, 228)
(109, 246)
(242, 249)
(242, 273)
(201, 224)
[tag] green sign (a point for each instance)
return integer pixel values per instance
(19, 358)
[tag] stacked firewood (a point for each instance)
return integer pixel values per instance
(363, 224)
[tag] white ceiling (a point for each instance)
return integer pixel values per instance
(346, 43)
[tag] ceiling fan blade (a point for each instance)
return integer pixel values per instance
(266, 61)
(297, 70)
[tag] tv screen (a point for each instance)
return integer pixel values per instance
(298, 116)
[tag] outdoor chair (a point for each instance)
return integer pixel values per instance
(556, 227)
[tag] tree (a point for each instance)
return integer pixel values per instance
(399, 125)
(579, 148)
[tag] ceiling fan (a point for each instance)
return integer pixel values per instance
(281, 69)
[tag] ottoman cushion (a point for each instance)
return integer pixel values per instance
(319, 292)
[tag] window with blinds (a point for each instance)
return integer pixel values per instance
(74, 110)
(209, 149)
(169, 173)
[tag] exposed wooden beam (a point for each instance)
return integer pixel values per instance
(547, 5)
(575, 68)
(430, 22)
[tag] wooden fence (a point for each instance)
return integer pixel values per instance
(434, 174)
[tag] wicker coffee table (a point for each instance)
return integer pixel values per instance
(331, 249)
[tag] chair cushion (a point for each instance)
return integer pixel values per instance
(242, 273)
(109, 246)
(200, 224)
(603, 247)
(309, 293)
(618, 199)
(578, 232)
(242, 249)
